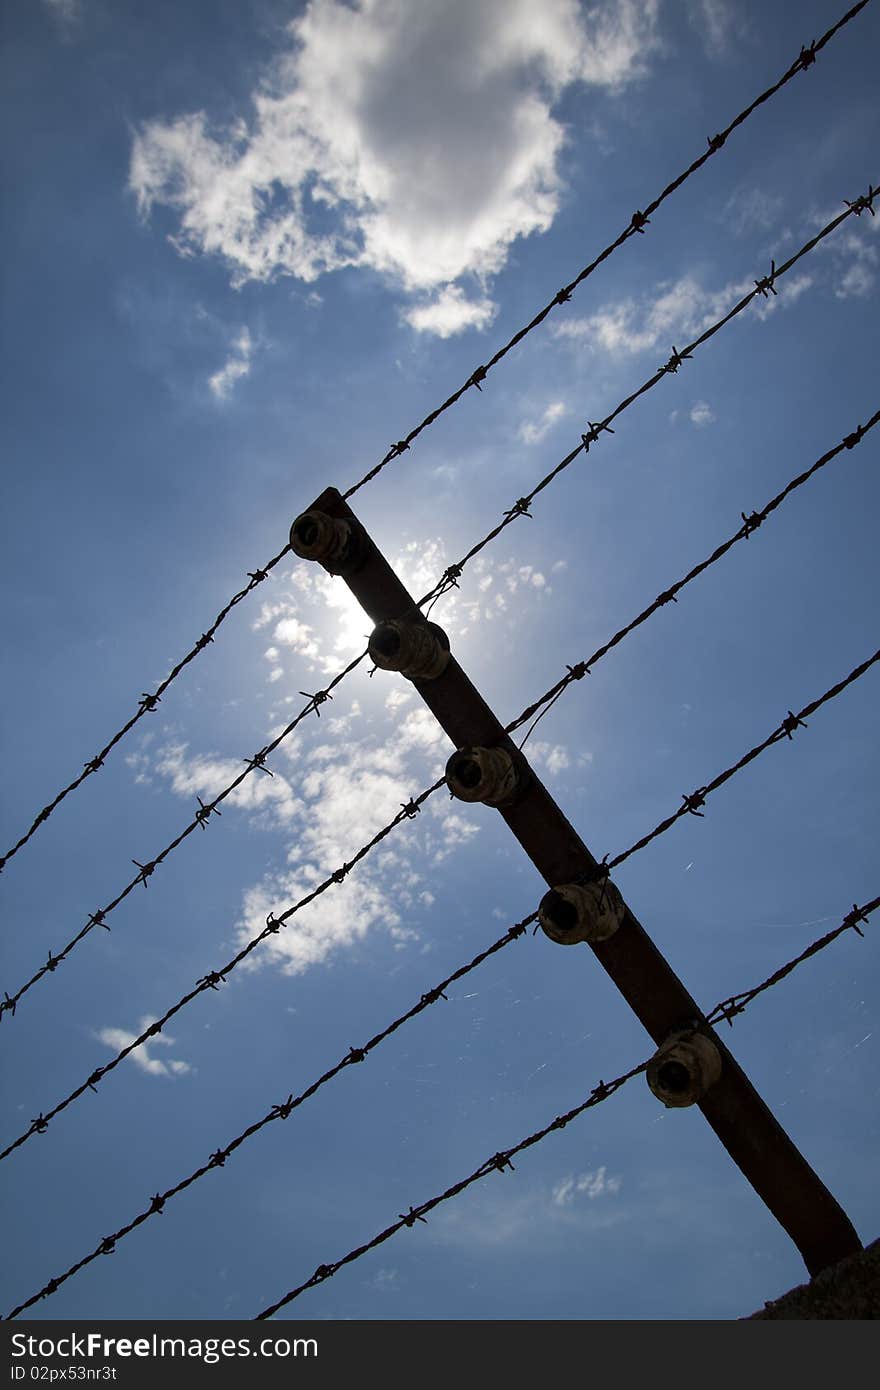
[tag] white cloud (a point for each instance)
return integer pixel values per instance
(676, 313)
(396, 698)
(237, 365)
(852, 253)
(418, 141)
(552, 756)
(701, 414)
(290, 632)
(533, 431)
(856, 282)
(858, 260)
(450, 312)
(718, 21)
(589, 1185)
(205, 776)
(117, 1038)
(751, 209)
(338, 783)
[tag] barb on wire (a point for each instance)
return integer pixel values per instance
(599, 427)
(690, 805)
(280, 1111)
(728, 1009)
(750, 525)
(783, 730)
(146, 705)
(214, 978)
(736, 1003)
(636, 225)
(200, 820)
(501, 1160)
(543, 704)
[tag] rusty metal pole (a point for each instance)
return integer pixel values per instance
(752, 1136)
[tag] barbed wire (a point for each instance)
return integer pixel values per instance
(728, 1009)
(280, 1112)
(636, 226)
(751, 522)
(146, 705)
(214, 978)
(764, 286)
(691, 804)
(736, 1003)
(256, 763)
(501, 1161)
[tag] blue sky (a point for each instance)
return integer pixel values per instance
(249, 246)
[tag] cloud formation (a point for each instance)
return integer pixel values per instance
(118, 1038)
(677, 312)
(589, 1185)
(345, 776)
(702, 414)
(417, 141)
(237, 365)
(533, 431)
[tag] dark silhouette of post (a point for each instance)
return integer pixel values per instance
(692, 1065)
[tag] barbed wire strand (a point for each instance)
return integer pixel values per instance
(502, 1159)
(214, 978)
(736, 1003)
(751, 523)
(691, 804)
(200, 820)
(636, 226)
(727, 1010)
(805, 59)
(146, 705)
(764, 287)
(286, 1108)
(273, 925)
(453, 573)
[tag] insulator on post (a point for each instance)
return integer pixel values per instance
(418, 650)
(490, 775)
(578, 912)
(332, 541)
(683, 1068)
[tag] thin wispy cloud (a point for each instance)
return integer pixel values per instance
(449, 313)
(117, 1038)
(677, 311)
(719, 22)
(533, 431)
(752, 209)
(341, 781)
(588, 1186)
(418, 142)
(236, 366)
(701, 414)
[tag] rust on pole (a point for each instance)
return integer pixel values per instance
(331, 534)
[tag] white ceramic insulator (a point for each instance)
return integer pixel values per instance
(683, 1068)
(599, 907)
